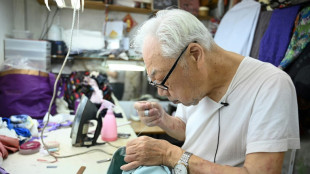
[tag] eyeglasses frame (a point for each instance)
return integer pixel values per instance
(162, 84)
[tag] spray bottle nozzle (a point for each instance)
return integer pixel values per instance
(106, 104)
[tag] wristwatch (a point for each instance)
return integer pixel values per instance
(181, 167)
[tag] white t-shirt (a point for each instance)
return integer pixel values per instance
(262, 116)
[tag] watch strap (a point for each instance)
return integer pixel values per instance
(185, 157)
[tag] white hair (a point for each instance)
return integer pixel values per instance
(174, 29)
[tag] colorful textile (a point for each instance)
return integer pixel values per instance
(22, 121)
(19, 130)
(75, 86)
(278, 35)
(300, 38)
(274, 4)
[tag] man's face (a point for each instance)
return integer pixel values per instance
(181, 86)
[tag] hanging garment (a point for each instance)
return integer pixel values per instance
(300, 38)
(299, 71)
(75, 86)
(236, 30)
(278, 35)
(262, 25)
(274, 4)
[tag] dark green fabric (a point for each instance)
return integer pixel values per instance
(117, 161)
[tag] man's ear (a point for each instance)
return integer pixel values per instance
(196, 52)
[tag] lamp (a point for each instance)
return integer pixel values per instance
(125, 65)
(75, 4)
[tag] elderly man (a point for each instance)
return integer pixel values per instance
(235, 114)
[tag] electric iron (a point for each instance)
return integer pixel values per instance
(85, 112)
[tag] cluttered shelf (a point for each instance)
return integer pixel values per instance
(59, 57)
(99, 5)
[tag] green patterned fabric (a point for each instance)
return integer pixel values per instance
(300, 38)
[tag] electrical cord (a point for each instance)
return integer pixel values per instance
(45, 24)
(224, 104)
(218, 135)
(48, 26)
(53, 98)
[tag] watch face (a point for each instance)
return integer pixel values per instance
(180, 169)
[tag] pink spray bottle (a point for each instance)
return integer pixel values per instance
(109, 127)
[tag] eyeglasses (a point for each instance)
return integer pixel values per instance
(162, 84)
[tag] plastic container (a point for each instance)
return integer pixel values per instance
(203, 11)
(37, 53)
(109, 127)
(30, 45)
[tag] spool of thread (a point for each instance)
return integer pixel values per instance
(29, 147)
(52, 144)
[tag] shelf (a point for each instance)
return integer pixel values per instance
(204, 17)
(99, 5)
(94, 58)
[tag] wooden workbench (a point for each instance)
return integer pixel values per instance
(138, 126)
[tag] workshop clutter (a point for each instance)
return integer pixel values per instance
(87, 83)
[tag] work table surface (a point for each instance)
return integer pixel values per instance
(17, 163)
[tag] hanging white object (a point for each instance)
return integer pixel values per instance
(75, 4)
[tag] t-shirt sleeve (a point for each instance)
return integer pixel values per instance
(273, 126)
(181, 113)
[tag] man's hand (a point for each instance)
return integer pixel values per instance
(149, 152)
(155, 113)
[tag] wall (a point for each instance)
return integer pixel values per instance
(6, 18)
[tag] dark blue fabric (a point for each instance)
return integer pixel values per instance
(22, 131)
(8, 122)
(275, 41)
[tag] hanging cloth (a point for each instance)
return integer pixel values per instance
(262, 25)
(299, 71)
(300, 38)
(236, 30)
(278, 34)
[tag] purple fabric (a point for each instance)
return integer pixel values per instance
(278, 35)
(54, 126)
(2, 171)
(26, 94)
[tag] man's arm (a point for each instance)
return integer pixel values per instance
(255, 163)
(146, 151)
(174, 127)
